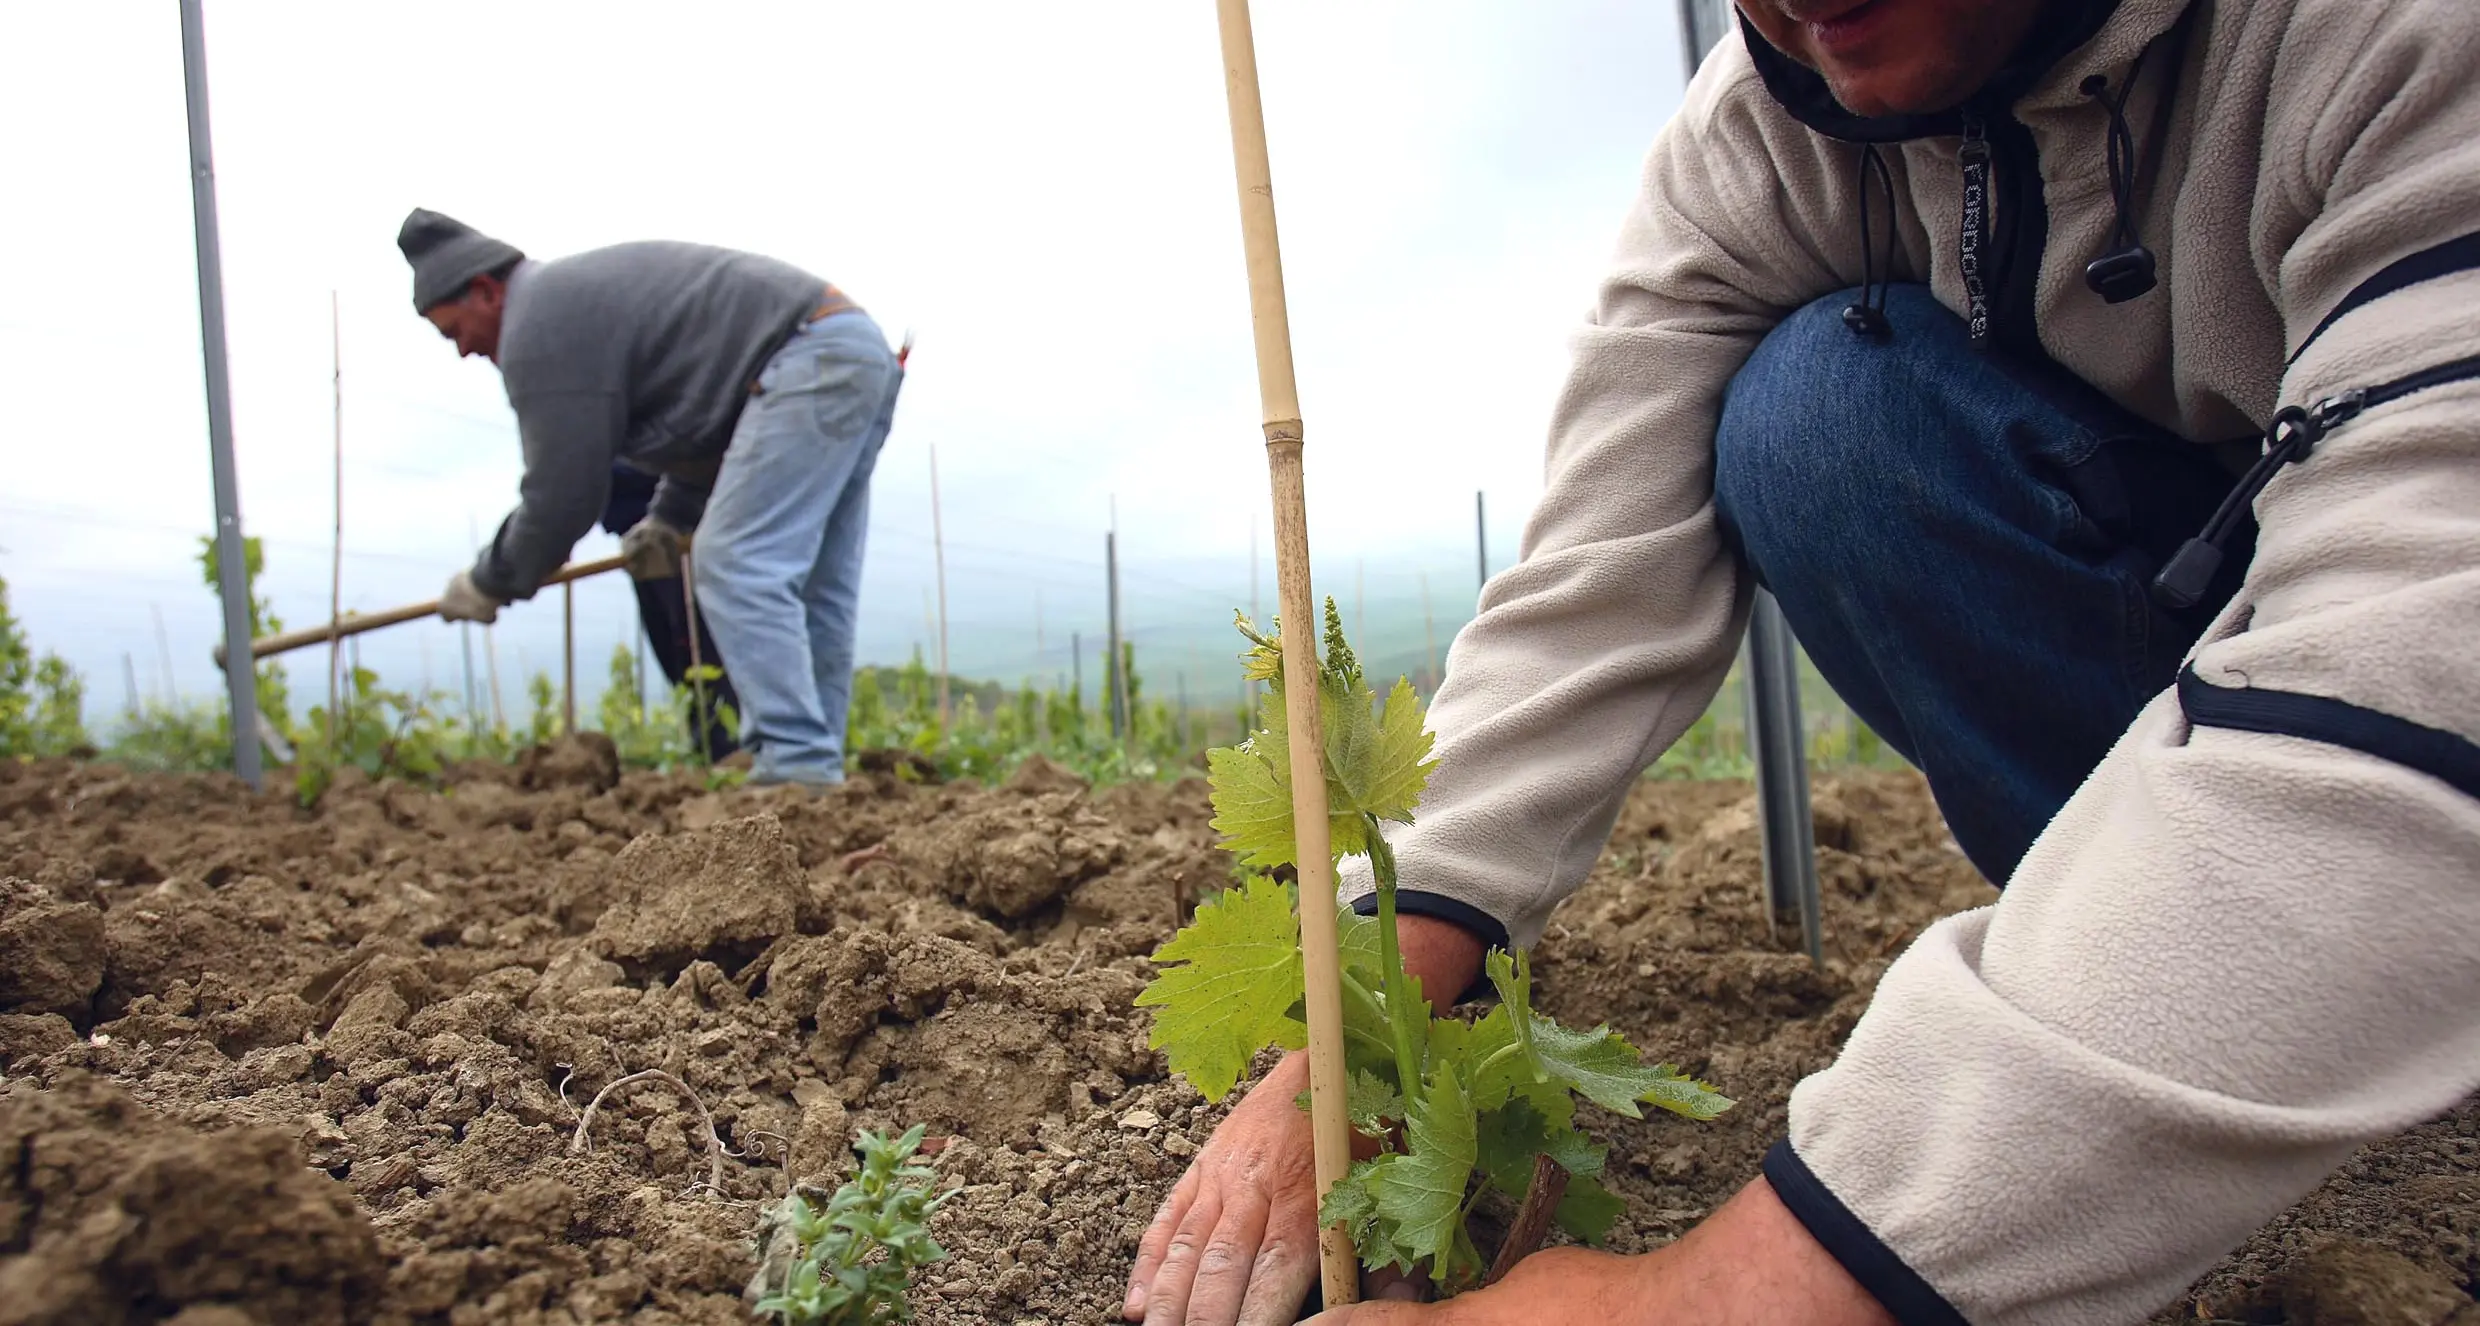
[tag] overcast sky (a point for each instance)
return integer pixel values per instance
(1041, 193)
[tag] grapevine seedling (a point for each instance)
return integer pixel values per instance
(1460, 1109)
(846, 1258)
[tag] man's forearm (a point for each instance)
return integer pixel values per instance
(1443, 956)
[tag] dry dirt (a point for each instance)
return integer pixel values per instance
(262, 1065)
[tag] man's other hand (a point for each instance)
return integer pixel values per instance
(462, 602)
(1752, 1264)
(1236, 1242)
(651, 550)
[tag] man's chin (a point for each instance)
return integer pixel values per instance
(1878, 94)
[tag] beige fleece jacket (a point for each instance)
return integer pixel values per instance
(2235, 956)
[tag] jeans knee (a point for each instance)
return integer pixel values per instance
(1825, 429)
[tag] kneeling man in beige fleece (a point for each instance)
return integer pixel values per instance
(2096, 384)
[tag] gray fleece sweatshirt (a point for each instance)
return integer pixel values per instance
(640, 352)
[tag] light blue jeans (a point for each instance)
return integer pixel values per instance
(778, 553)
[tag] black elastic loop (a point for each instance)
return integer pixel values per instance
(1868, 317)
(2129, 269)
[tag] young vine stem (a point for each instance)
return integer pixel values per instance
(1401, 1010)
(1532, 1223)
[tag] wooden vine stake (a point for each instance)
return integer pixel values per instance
(1280, 399)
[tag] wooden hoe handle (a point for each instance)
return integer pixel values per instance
(288, 641)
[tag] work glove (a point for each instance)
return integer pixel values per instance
(651, 550)
(463, 602)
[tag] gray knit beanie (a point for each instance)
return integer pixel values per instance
(447, 255)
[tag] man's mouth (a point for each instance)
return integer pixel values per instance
(1844, 24)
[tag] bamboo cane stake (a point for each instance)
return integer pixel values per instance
(702, 714)
(938, 553)
(490, 662)
(568, 657)
(163, 646)
(1280, 403)
(335, 573)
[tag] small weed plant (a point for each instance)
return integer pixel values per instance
(846, 1258)
(1461, 1109)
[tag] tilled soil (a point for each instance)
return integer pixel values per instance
(266, 1065)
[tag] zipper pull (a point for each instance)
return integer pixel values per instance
(2338, 409)
(1972, 252)
(2293, 433)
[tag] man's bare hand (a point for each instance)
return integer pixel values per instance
(1236, 1242)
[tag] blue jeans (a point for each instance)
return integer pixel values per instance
(778, 553)
(1964, 546)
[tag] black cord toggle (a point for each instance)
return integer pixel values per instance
(2128, 270)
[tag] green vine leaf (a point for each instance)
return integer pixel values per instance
(1353, 1200)
(1374, 1104)
(1252, 803)
(1509, 1138)
(1588, 1209)
(1232, 976)
(1684, 1095)
(1385, 777)
(1421, 1190)
(1606, 1070)
(1376, 763)
(1599, 1064)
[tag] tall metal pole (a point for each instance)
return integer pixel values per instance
(1429, 635)
(335, 568)
(1781, 749)
(1778, 739)
(240, 674)
(938, 551)
(1481, 538)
